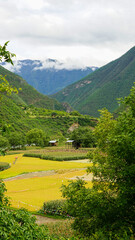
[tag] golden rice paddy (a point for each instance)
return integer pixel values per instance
(32, 192)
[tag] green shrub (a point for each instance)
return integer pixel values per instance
(35, 155)
(19, 224)
(55, 207)
(4, 165)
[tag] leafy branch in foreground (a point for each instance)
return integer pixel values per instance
(6, 87)
(7, 57)
(108, 209)
(5, 54)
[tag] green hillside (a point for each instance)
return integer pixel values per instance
(20, 118)
(28, 95)
(101, 88)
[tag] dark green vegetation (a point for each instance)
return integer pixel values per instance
(37, 136)
(20, 119)
(83, 137)
(107, 211)
(4, 166)
(101, 88)
(55, 207)
(4, 143)
(48, 80)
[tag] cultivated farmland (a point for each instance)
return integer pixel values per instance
(32, 181)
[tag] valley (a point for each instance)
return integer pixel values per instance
(59, 161)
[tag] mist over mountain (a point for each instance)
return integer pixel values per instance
(49, 76)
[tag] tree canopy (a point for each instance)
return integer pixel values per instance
(83, 137)
(107, 211)
(37, 136)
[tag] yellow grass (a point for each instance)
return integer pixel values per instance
(31, 193)
(28, 164)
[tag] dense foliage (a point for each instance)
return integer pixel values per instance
(16, 140)
(83, 137)
(4, 143)
(19, 118)
(108, 209)
(37, 136)
(55, 207)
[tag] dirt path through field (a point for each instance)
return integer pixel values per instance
(42, 220)
(31, 175)
(86, 177)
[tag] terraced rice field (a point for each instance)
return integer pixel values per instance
(44, 182)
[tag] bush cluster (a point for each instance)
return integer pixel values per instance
(4, 166)
(55, 207)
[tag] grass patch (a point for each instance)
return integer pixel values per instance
(61, 229)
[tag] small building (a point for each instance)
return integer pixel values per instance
(69, 143)
(53, 142)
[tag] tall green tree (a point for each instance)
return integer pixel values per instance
(37, 136)
(16, 140)
(83, 137)
(108, 209)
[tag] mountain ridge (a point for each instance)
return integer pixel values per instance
(49, 76)
(101, 88)
(28, 95)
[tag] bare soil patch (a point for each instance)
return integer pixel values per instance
(42, 220)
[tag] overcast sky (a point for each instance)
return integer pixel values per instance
(84, 32)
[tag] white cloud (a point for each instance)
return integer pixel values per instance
(94, 31)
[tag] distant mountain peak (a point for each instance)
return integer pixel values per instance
(50, 75)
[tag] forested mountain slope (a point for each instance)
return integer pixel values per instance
(101, 88)
(28, 95)
(29, 109)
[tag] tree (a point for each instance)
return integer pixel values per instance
(108, 209)
(4, 143)
(83, 136)
(7, 57)
(37, 136)
(16, 140)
